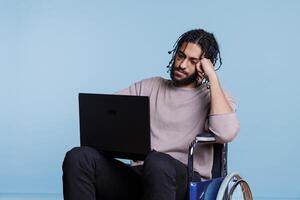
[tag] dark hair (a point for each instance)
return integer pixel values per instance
(205, 40)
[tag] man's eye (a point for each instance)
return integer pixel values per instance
(180, 56)
(194, 62)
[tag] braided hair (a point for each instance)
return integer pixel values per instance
(206, 41)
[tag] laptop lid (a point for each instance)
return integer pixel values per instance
(118, 125)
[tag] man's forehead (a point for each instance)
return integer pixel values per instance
(191, 49)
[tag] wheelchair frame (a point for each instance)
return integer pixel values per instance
(219, 168)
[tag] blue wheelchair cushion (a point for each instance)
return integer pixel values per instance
(205, 190)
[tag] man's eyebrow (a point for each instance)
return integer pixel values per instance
(191, 58)
(181, 52)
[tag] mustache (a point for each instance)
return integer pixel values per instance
(178, 69)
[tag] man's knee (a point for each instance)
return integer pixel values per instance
(159, 163)
(78, 155)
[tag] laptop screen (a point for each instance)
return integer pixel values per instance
(117, 125)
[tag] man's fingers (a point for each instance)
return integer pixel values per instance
(203, 55)
(201, 75)
(198, 67)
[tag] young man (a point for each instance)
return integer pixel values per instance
(191, 102)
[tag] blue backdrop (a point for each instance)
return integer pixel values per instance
(52, 50)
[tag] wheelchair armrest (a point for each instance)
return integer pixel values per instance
(202, 138)
(205, 137)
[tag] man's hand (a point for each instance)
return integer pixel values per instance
(206, 69)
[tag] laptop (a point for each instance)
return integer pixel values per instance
(117, 125)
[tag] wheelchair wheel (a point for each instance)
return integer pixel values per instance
(234, 187)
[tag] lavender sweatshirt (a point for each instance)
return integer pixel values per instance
(178, 114)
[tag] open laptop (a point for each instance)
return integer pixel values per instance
(117, 125)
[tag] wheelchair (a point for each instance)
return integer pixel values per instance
(222, 186)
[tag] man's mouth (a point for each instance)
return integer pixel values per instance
(179, 73)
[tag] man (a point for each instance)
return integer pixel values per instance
(191, 102)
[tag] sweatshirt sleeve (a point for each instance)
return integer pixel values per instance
(134, 89)
(225, 126)
(141, 88)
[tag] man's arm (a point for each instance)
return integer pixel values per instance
(222, 120)
(219, 102)
(141, 88)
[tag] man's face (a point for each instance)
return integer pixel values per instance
(183, 71)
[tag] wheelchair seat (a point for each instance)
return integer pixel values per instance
(221, 186)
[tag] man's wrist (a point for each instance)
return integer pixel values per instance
(213, 78)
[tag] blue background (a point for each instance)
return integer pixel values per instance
(52, 50)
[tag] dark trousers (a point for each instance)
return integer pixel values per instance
(89, 175)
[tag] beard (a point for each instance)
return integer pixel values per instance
(185, 81)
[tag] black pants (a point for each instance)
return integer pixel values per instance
(89, 175)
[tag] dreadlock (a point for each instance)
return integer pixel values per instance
(203, 39)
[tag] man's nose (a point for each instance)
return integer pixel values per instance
(183, 64)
